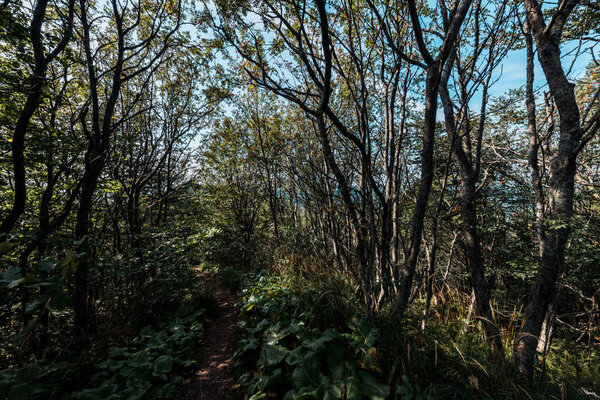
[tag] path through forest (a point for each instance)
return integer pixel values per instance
(214, 378)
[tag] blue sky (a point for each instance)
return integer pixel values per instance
(514, 64)
(511, 73)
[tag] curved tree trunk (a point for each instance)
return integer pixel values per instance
(41, 62)
(561, 183)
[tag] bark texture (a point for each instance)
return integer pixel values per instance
(561, 180)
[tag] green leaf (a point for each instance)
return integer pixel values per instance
(259, 396)
(318, 344)
(46, 265)
(106, 391)
(273, 354)
(333, 392)
(268, 381)
(163, 364)
(35, 304)
(353, 391)
(136, 389)
(6, 246)
(307, 372)
(115, 352)
(12, 277)
(296, 356)
(166, 391)
(371, 387)
(334, 359)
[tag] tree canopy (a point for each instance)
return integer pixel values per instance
(405, 195)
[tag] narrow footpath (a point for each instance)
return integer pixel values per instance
(214, 379)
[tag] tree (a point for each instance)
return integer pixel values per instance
(42, 58)
(574, 134)
(468, 157)
(130, 24)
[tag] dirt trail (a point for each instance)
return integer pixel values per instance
(214, 379)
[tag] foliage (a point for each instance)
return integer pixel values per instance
(289, 356)
(440, 359)
(149, 366)
(39, 380)
(299, 138)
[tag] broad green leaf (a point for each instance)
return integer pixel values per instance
(163, 364)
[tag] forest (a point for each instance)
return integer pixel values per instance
(299, 199)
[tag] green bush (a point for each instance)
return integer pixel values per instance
(150, 367)
(289, 355)
(37, 380)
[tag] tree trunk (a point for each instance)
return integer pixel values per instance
(468, 212)
(427, 165)
(82, 235)
(561, 185)
(41, 62)
(31, 104)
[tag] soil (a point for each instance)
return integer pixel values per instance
(213, 378)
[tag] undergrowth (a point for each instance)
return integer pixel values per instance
(438, 360)
(150, 365)
(308, 339)
(300, 343)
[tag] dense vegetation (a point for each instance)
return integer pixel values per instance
(406, 196)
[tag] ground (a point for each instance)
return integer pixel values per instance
(213, 378)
